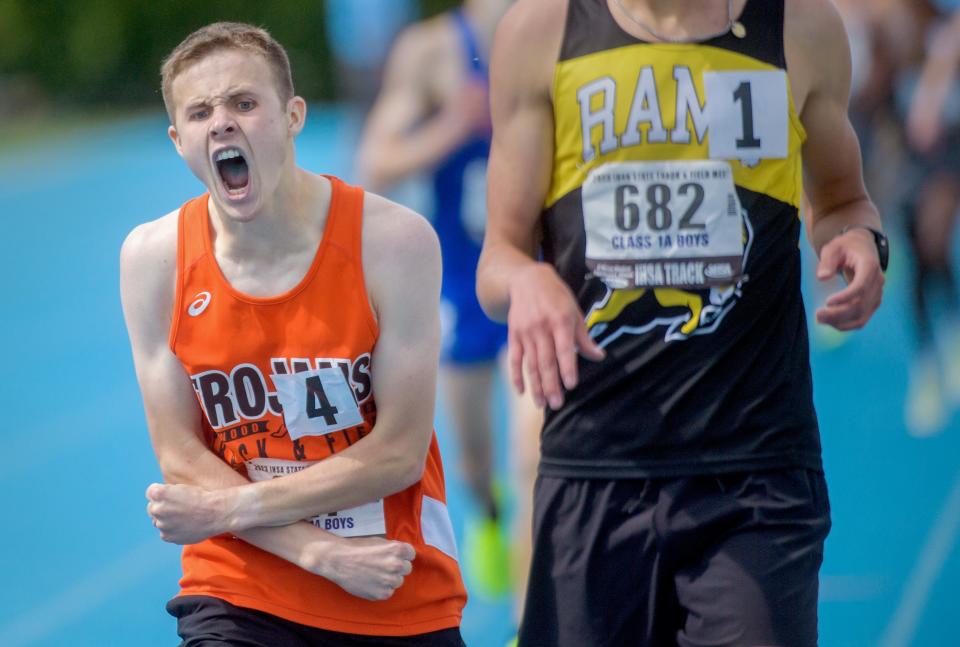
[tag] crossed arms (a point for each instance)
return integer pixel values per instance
(203, 496)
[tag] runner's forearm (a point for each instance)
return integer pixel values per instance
(345, 480)
(390, 161)
(499, 264)
(287, 542)
(827, 226)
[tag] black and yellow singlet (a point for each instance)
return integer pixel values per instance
(673, 215)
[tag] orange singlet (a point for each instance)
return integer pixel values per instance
(284, 382)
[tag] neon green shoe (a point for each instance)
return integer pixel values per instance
(827, 338)
(925, 413)
(487, 558)
(951, 363)
(513, 642)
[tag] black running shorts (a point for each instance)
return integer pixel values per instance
(729, 560)
(204, 621)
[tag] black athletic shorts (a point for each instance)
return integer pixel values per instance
(729, 560)
(204, 621)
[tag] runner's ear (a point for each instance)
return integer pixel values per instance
(175, 138)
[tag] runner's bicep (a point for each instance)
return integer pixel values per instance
(402, 264)
(521, 153)
(147, 294)
(832, 162)
(518, 172)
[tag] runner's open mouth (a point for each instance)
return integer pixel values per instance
(233, 170)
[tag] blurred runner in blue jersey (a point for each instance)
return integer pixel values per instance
(432, 116)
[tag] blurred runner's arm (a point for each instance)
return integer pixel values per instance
(832, 165)
(403, 134)
(147, 273)
(545, 321)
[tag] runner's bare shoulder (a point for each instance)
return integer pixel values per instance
(148, 260)
(527, 41)
(400, 247)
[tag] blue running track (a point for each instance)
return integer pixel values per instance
(83, 566)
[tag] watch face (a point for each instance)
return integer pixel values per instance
(883, 248)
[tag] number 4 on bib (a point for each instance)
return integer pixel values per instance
(317, 402)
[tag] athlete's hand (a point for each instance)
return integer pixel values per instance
(854, 254)
(367, 567)
(546, 331)
(186, 514)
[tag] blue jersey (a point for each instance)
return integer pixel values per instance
(460, 211)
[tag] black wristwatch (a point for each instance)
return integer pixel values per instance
(880, 238)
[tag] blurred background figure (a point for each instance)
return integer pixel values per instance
(873, 117)
(929, 99)
(432, 117)
(905, 104)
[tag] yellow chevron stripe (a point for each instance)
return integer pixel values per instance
(778, 178)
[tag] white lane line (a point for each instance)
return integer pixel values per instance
(85, 595)
(933, 555)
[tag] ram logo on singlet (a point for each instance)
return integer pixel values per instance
(745, 112)
(645, 109)
(245, 394)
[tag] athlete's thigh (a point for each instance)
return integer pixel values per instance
(467, 393)
(758, 585)
(204, 621)
(593, 566)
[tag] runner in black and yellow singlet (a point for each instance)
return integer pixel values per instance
(681, 246)
(681, 498)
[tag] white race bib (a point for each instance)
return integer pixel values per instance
(748, 113)
(663, 224)
(317, 402)
(362, 521)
